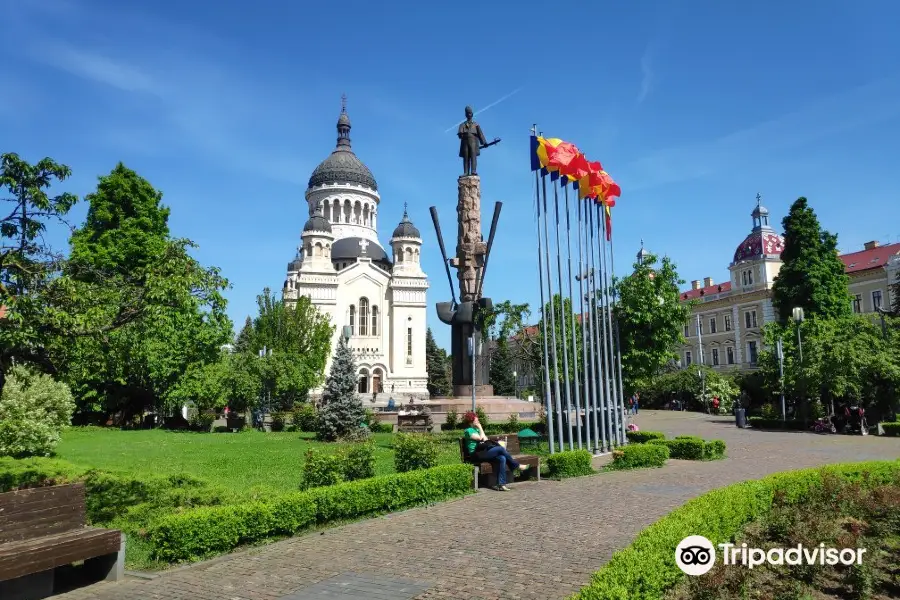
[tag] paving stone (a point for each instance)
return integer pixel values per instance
(541, 541)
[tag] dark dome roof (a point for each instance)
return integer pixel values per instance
(350, 249)
(317, 222)
(343, 166)
(406, 228)
(294, 265)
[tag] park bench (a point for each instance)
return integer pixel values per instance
(44, 528)
(486, 470)
(413, 423)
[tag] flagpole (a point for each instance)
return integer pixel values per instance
(562, 327)
(548, 410)
(575, 382)
(612, 269)
(587, 347)
(609, 359)
(598, 369)
(557, 400)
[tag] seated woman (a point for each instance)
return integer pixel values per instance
(480, 449)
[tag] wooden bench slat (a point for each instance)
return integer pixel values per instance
(40, 554)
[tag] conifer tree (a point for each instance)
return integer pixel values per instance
(342, 412)
(812, 276)
(501, 373)
(436, 365)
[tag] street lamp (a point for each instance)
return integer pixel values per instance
(347, 332)
(516, 379)
(881, 313)
(797, 315)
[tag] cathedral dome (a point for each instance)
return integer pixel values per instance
(406, 228)
(352, 248)
(343, 166)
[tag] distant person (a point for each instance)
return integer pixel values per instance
(635, 400)
(481, 449)
(715, 405)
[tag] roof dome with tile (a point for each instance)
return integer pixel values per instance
(343, 166)
(406, 228)
(763, 241)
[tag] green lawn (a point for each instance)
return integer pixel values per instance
(235, 460)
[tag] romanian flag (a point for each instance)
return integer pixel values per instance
(577, 168)
(589, 181)
(535, 161)
(554, 154)
(608, 222)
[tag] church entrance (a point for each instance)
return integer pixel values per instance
(363, 387)
(376, 382)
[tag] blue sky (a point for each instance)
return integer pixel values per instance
(693, 107)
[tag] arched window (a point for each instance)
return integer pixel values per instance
(363, 316)
(347, 210)
(365, 220)
(352, 319)
(363, 386)
(336, 212)
(374, 320)
(408, 257)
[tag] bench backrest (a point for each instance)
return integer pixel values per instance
(27, 514)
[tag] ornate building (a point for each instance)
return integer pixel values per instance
(725, 329)
(346, 272)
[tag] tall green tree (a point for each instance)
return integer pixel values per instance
(502, 367)
(436, 364)
(342, 412)
(170, 308)
(812, 276)
(244, 338)
(28, 266)
(651, 319)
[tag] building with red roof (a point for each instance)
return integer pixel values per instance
(725, 329)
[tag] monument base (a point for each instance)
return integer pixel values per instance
(481, 391)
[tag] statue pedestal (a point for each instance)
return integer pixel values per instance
(481, 391)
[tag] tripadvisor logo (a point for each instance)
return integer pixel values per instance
(696, 555)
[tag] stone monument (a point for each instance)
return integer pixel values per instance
(471, 261)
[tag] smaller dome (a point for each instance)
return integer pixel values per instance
(317, 222)
(294, 265)
(759, 244)
(406, 228)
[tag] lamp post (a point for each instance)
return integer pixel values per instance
(780, 348)
(881, 313)
(516, 379)
(799, 318)
(267, 392)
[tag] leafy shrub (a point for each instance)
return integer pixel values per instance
(321, 468)
(640, 456)
(645, 570)
(305, 417)
(891, 429)
(768, 412)
(221, 429)
(202, 421)
(792, 424)
(714, 449)
(512, 423)
(278, 421)
(482, 417)
(199, 532)
(359, 461)
(642, 437)
(414, 451)
(35, 472)
(570, 463)
(683, 448)
(379, 427)
(451, 421)
(34, 410)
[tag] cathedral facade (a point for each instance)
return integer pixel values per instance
(376, 298)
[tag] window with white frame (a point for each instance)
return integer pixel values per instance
(876, 300)
(352, 320)
(750, 319)
(687, 331)
(857, 303)
(752, 352)
(727, 322)
(363, 316)
(409, 344)
(688, 359)
(715, 357)
(729, 355)
(712, 325)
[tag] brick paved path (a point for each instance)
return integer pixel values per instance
(541, 541)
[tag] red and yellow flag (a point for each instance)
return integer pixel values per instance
(608, 222)
(555, 154)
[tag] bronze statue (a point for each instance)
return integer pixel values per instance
(471, 141)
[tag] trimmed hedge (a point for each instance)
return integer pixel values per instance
(762, 423)
(570, 463)
(640, 456)
(646, 569)
(642, 437)
(19, 474)
(202, 531)
(891, 429)
(686, 447)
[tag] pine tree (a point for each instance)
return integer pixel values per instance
(342, 412)
(501, 373)
(436, 365)
(244, 340)
(812, 275)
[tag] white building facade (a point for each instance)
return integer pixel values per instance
(348, 275)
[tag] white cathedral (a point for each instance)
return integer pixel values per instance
(346, 272)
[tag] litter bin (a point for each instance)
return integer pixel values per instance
(740, 417)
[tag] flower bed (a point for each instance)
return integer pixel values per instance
(646, 569)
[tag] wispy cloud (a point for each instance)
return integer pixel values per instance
(487, 108)
(647, 75)
(871, 103)
(181, 96)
